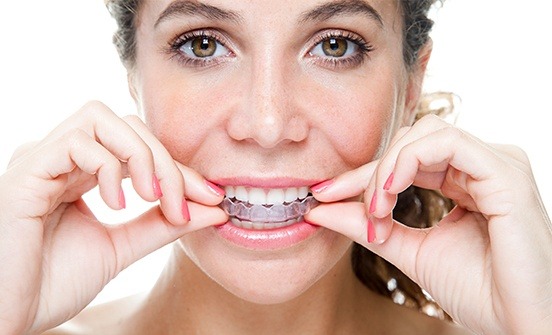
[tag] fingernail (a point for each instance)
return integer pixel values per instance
(156, 187)
(185, 210)
(122, 200)
(215, 189)
(371, 232)
(321, 187)
(389, 182)
(373, 203)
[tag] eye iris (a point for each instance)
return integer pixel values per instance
(204, 46)
(334, 47)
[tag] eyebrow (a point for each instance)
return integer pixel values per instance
(194, 8)
(342, 7)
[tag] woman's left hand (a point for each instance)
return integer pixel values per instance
(488, 263)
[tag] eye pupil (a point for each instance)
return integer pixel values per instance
(334, 47)
(204, 46)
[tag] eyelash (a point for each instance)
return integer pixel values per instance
(180, 40)
(364, 48)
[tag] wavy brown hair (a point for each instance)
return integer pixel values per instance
(415, 207)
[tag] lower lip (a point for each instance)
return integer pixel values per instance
(271, 239)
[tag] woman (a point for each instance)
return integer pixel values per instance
(258, 108)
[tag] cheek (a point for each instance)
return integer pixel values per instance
(353, 113)
(182, 111)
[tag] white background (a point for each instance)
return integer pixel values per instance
(495, 54)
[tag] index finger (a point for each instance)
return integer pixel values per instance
(345, 186)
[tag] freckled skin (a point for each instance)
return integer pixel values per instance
(270, 111)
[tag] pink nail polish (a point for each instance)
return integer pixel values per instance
(156, 187)
(373, 203)
(321, 187)
(122, 200)
(185, 210)
(371, 232)
(215, 189)
(389, 182)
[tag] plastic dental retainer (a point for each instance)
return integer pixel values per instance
(268, 213)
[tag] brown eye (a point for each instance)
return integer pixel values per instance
(200, 47)
(204, 46)
(335, 47)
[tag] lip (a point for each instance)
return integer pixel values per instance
(281, 182)
(270, 239)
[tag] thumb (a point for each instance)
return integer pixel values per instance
(151, 231)
(393, 241)
(350, 219)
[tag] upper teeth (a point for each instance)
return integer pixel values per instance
(260, 196)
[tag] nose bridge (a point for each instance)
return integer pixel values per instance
(267, 115)
(267, 103)
(267, 83)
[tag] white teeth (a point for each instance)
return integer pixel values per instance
(257, 196)
(275, 196)
(241, 194)
(303, 192)
(230, 193)
(291, 194)
(263, 226)
(260, 196)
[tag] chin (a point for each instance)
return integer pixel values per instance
(270, 276)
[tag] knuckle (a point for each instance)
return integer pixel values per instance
(453, 134)
(94, 105)
(517, 153)
(93, 110)
(111, 163)
(21, 151)
(431, 120)
(73, 137)
(133, 119)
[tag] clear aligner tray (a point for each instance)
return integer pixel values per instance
(268, 213)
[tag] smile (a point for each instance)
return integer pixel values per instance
(264, 209)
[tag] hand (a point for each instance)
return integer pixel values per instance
(55, 256)
(488, 263)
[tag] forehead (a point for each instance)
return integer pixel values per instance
(382, 12)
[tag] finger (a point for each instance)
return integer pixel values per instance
(103, 125)
(21, 152)
(463, 167)
(199, 189)
(75, 149)
(381, 200)
(152, 230)
(350, 219)
(176, 178)
(170, 180)
(345, 186)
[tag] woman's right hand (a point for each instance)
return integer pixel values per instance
(54, 254)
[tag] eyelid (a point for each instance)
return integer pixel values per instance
(326, 34)
(181, 39)
(350, 61)
(209, 32)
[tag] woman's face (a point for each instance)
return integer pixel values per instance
(265, 98)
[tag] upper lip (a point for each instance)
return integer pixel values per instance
(280, 182)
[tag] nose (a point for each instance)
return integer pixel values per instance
(268, 114)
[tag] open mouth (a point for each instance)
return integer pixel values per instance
(263, 209)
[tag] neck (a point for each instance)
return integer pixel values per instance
(186, 301)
